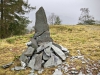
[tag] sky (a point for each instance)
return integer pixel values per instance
(67, 10)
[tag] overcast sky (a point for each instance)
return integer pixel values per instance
(67, 10)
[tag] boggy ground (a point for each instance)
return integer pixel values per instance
(83, 38)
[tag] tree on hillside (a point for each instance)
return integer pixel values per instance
(54, 19)
(11, 12)
(57, 20)
(85, 18)
(51, 19)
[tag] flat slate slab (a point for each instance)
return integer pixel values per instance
(34, 43)
(32, 62)
(45, 57)
(29, 51)
(44, 46)
(59, 52)
(38, 62)
(50, 62)
(24, 58)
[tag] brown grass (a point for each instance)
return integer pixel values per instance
(84, 38)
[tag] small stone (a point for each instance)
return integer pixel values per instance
(40, 72)
(59, 52)
(17, 68)
(34, 43)
(23, 64)
(31, 73)
(57, 72)
(83, 62)
(43, 46)
(24, 58)
(29, 43)
(29, 51)
(64, 49)
(7, 65)
(45, 57)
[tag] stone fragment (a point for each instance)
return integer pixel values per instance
(24, 58)
(59, 52)
(34, 43)
(17, 68)
(29, 51)
(57, 45)
(29, 43)
(43, 46)
(31, 73)
(45, 57)
(57, 60)
(57, 72)
(64, 49)
(48, 50)
(38, 62)
(40, 72)
(23, 64)
(50, 62)
(7, 65)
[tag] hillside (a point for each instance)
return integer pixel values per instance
(85, 38)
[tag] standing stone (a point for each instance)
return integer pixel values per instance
(41, 21)
(41, 27)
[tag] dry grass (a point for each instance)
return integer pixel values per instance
(84, 38)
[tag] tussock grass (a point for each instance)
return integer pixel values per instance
(85, 38)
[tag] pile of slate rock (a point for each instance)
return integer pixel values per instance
(47, 54)
(42, 52)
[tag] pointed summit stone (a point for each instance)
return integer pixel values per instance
(42, 33)
(41, 21)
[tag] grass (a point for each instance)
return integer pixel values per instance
(85, 38)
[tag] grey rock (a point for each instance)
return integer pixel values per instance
(24, 58)
(34, 43)
(48, 50)
(29, 43)
(38, 62)
(98, 73)
(45, 37)
(50, 62)
(31, 63)
(40, 72)
(45, 57)
(57, 60)
(64, 49)
(53, 61)
(23, 64)
(57, 72)
(29, 51)
(7, 65)
(31, 73)
(44, 46)
(17, 68)
(59, 52)
(57, 45)
(41, 21)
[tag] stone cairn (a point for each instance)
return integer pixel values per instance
(42, 52)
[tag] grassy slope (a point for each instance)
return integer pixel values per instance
(84, 38)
